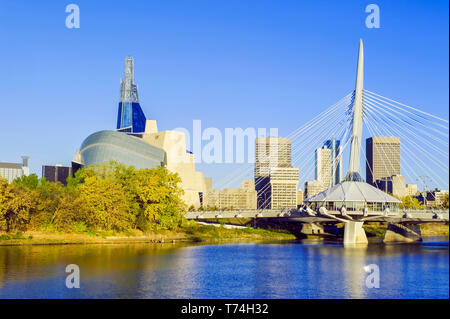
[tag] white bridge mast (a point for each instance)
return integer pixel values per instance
(355, 150)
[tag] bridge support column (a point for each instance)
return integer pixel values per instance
(312, 229)
(354, 233)
(402, 233)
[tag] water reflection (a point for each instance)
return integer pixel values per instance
(298, 270)
(355, 260)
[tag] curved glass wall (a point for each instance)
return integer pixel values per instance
(356, 206)
(105, 146)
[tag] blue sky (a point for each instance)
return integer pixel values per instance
(251, 63)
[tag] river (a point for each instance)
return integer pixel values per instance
(307, 269)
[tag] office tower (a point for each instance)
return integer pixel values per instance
(335, 147)
(130, 118)
(313, 187)
(57, 173)
(11, 171)
(383, 158)
(275, 179)
(271, 152)
(283, 182)
(394, 185)
(324, 169)
(300, 196)
(232, 198)
(328, 168)
(411, 189)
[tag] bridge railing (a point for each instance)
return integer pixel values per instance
(271, 213)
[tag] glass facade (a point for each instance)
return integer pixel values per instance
(335, 147)
(130, 117)
(356, 206)
(104, 146)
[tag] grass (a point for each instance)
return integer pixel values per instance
(190, 233)
(200, 233)
(434, 229)
(375, 229)
(17, 236)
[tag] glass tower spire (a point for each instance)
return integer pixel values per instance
(130, 117)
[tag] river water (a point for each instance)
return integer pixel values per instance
(307, 269)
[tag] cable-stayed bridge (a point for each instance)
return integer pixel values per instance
(354, 118)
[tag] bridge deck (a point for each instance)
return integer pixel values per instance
(403, 216)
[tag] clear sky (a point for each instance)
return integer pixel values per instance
(229, 63)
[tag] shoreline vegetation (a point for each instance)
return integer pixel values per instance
(108, 203)
(112, 203)
(194, 234)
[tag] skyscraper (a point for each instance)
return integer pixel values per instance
(130, 117)
(335, 147)
(271, 152)
(323, 172)
(328, 168)
(383, 157)
(275, 179)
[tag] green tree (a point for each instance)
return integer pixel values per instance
(409, 202)
(110, 197)
(30, 182)
(107, 206)
(16, 204)
(159, 198)
(48, 198)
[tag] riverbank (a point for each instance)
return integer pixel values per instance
(197, 233)
(427, 229)
(192, 234)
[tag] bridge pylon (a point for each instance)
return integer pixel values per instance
(354, 233)
(405, 233)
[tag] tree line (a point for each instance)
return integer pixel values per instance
(109, 197)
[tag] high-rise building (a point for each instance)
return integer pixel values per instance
(313, 187)
(383, 158)
(275, 179)
(130, 117)
(336, 159)
(328, 169)
(56, 173)
(11, 171)
(324, 169)
(283, 182)
(271, 152)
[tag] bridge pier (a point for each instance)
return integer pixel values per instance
(354, 233)
(402, 233)
(312, 229)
